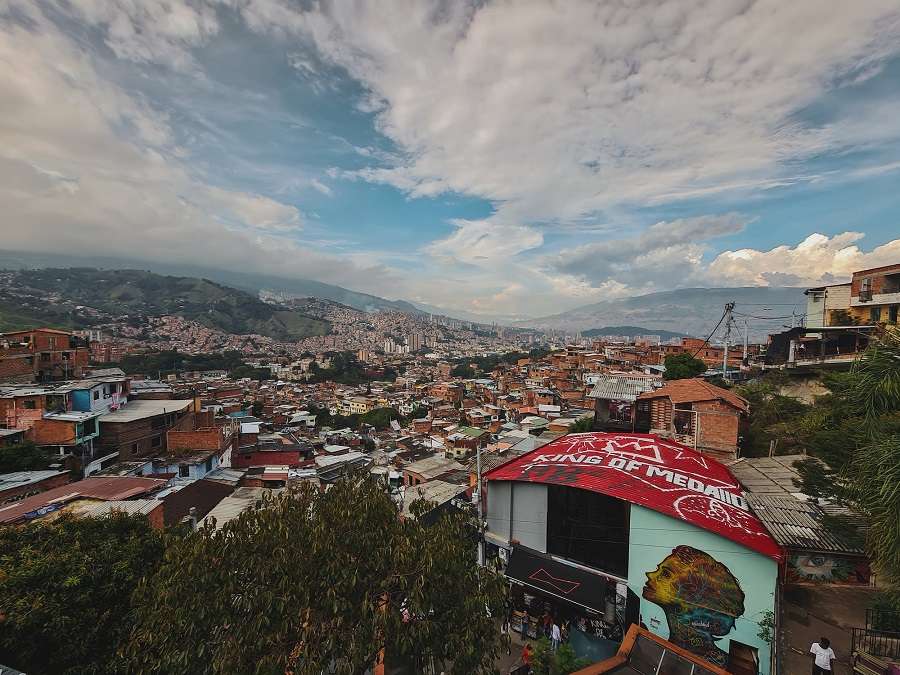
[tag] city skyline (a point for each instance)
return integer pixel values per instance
(501, 160)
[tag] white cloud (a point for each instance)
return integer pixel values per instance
(87, 169)
(321, 187)
(557, 110)
(665, 250)
(484, 242)
(818, 259)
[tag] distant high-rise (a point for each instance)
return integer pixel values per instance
(415, 340)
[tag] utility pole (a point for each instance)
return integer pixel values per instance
(729, 307)
(480, 516)
(746, 341)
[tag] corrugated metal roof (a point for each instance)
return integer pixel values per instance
(108, 488)
(143, 408)
(797, 524)
(622, 388)
(20, 478)
(100, 509)
(768, 475)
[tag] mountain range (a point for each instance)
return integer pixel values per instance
(686, 311)
(82, 297)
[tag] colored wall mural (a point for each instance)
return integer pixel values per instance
(827, 569)
(698, 589)
(701, 599)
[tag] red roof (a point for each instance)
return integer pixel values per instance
(107, 488)
(695, 389)
(646, 470)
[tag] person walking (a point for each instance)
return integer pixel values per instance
(823, 656)
(555, 636)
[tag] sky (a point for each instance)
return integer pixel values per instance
(504, 159)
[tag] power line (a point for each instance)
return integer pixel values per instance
(713, 332)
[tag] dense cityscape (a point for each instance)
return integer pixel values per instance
(449, 337)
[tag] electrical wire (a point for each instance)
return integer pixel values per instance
(773, 318)
(712, 332)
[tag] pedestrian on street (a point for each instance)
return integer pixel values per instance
(823, 656)
(555, 636)
(527, 651)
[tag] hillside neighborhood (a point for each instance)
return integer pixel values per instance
(595, 469)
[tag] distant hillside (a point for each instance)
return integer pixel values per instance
(630, 331)
(688, 311)
(249, 282)
(78, 297)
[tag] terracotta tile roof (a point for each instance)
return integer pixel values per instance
(695, 390)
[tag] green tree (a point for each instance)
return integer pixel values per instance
(463, 370)
(65, 587)
(583, 425)
(315, 582)
(545, 661)
(683, 366)
(22, 457)
(874, 472)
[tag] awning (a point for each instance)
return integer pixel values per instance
(543, 573)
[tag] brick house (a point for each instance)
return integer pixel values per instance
(140, 428)
(875, 295)
(41, 355)
(698, 414)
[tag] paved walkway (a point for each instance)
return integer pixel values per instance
(812, 612)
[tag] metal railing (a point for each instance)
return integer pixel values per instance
(887, 620)
(880, 643)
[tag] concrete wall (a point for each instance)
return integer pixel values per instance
(528, 504)
(695, 592)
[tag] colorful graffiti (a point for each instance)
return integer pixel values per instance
(700, 597)
(827, 569)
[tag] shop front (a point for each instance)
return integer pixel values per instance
(590, 608)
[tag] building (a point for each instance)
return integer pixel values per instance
(875, 295)
(428, 469)
(95, 488)
(607, 530)
(698, 414)
(20, 484)
(140, 428)
(827, 305)
(41, 355)
(615, 396)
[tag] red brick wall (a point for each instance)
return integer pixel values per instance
(53, 432)
(244, 460)
(719, 424)
(209, 438)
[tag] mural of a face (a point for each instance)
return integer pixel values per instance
(700, 597)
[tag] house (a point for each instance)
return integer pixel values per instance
(41, 355)
(827, 305)
(20, 484)
(698, 414)
(428, 469)
(97, 488)
(875, 295)
(614, 396)
(141, 427)
(464, 441)
(609, 530)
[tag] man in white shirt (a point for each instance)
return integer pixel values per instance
(823, 655)
(555, 636)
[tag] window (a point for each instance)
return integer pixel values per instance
(96, 394)
(29, 404)
(134, 448)
(589, 528)
(209, 465)
(892, 313)
(45, 356)
(156, 441)
(874, 314)
(184, 470)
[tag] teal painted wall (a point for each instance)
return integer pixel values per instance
(700, 586)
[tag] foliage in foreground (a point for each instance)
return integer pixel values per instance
(312, 581)
(65, 587)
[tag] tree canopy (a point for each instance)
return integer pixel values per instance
(315, 581)
(22, 457)
(65, 587)
(683, 366)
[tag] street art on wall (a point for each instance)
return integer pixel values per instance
(827, 569)
(701, 600)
